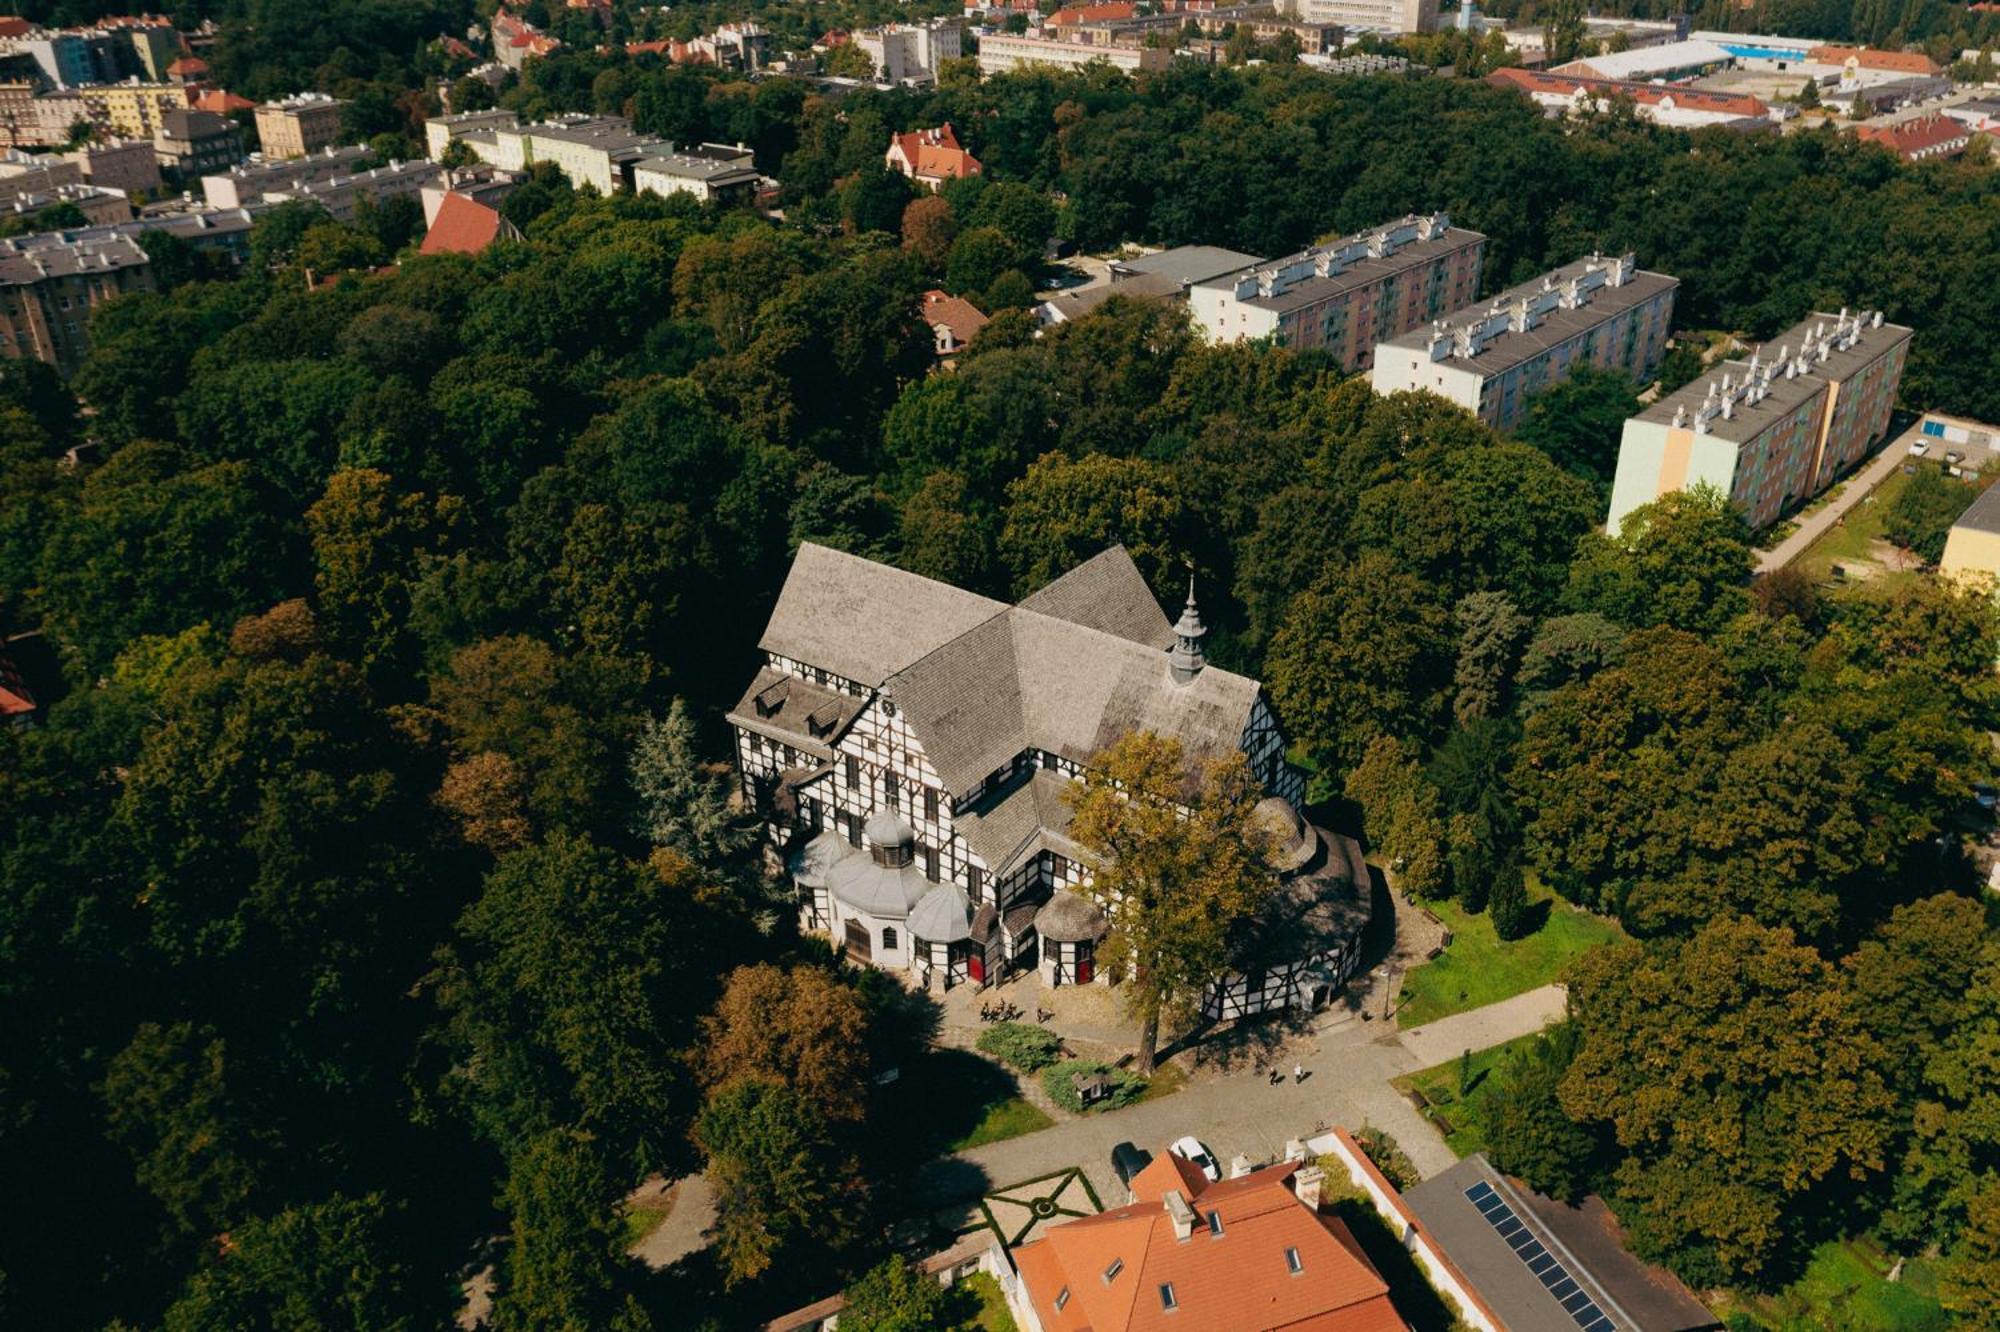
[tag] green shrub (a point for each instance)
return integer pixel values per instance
(1020, 1045)
(1387, 1154)
(1125, 1087)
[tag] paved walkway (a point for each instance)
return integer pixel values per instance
(1495, 1024)
(1859, 484)
(1349, 1063)
(686, 1228)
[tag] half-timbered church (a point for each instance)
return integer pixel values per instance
(909, 744)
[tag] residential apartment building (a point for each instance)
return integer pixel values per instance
(1002, 53)
(298, 125)
(48, 287)
(712, 173)
(1491, 357)
(194, 144)
(600, 151)
(98, 206)
(134, 110)
(250, 181)
(35, 173)
(1350, 294)
(1388, 17)
(912, 52)
(341, 196)
(1771, 431)
(439, 131)
(129, 165)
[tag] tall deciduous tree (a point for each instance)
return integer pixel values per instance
(565, 1270)
(1180, 864)
(566, 998)
(1681, 561)
(1401, 814)
(1366, 652)
(804, 1028)
(342, 1265)
(1738, 1077)
(783, 1183)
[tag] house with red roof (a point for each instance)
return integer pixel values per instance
(953, 319)
(188, 69)
(1920, 139)
(465, 226)
(930, 157)
(1192, 1254)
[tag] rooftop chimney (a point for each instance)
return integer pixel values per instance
(1182, 1214)
(1239, 1166)
(1307, 1184)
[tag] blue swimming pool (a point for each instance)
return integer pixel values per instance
(1745, 52)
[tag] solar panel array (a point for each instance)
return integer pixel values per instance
(1562, 1287)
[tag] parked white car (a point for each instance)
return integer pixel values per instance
(1190, 1149)
(1919, 449)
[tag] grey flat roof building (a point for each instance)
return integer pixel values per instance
(1781, 374)
(1352, 263)
(1186, 264)
(1541, 1265)
(1984, 514)
(1485, 340)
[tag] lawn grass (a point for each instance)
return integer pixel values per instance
(1845, 1288)
(1456, 1116)
(641, 1218)
(992, 1314)
(1851, 540)
(1166, 1080)
(1002, 1120)
(1478, 969)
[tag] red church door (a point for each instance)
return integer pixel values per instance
(975, 965)
(1084, 963)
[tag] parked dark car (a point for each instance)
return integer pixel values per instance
(1127, 1161)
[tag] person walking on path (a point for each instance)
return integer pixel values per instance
(1298, 1073)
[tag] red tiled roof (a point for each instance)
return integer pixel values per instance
(1235, 1281)
(932, 154)
(1900, 62)
(1912, 137)
(956, 313)
(1118, 9)
(1646, 94)
(220, 102)
(462, 226)
(14, 27)
(188, 65)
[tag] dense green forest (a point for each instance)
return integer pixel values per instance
(369, 911)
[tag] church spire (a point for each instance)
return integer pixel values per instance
(1186, 659)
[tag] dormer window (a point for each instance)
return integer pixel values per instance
(1168, 1301)
(771, 700)
(1062, 1298)
(824, 722)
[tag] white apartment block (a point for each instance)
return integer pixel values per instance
(1492, 357)
(1357, 16)
(912, 52)
(1003, 53)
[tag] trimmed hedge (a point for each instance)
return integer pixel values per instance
(1125, 1087)
(1020, 1045)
